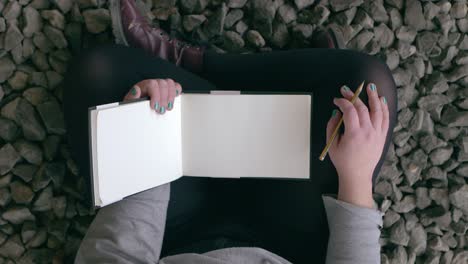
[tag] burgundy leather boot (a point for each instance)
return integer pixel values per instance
(330, 38)
(132, 28)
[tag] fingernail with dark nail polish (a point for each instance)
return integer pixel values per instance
(156, 105)
(169, 105)
(372, 87)
(133, 91)
(384, 100)
(176, 92)
(162, 110)
(334, 113)
(345, 88)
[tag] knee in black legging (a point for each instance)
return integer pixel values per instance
(373, 70)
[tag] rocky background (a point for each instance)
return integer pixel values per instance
(423, 186)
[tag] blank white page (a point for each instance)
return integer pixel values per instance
(137, 149)
(246, 135)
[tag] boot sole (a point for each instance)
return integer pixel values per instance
(117, 29)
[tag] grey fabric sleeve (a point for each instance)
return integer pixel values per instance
(128, 231)
(354, 233)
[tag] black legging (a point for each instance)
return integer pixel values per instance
(284, 216)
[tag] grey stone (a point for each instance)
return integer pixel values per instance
(63, 5)
(385, 38)
(418, 240)
(44, 200)
(40, 60)
(302, 31)
(437, 83)
(55, 18)
(21, 193)
(464, 43)
(414, 15)
(459, 198)
(12, 10)
(422, 198)
(215, 23)
(28, 230)
(389, 172)
(54, 79)
(18, 215)
(436, 173)
(8, 129)
(286, 13)
(97, 20)
(441, 155)
(398, 233)
(445, 22)
(460, 257)
(56, 172)
(19, 80)
(392, 56)
(13, 248)
(448, 133)
(264, 13)
(193, 6)
(56, 36)
(431, 142)
(377, 11)
(29, 121)
(458, 73)
(5, 180)
(399, 255)
(52, 115)
(458, 10)
(280, 37)
(406, 34)
(319, 15)
(236, 3)
(59, 204)
(406, 205)
(437, 244)
(28, 48)
(36, 95)
(433, 101)
(255, 39)
(383, 188)
(390, 218)
(41, 179)
(8, 158)
(396, 20)
(33, 21)
(191, 22)
(5, 196)
(452, 117)
(301, 4)
(38, 239)
(440, 197)
(405, 49)
(363, 19)
(7, 67)
(29, 151)
(463, 170)
(417, 121)
(2, 24)
(401, 137)
(232, 17)
(233, 41)
(462, 25)
(40, 4)
(426, 41)
(339, 5)
(25, 171)
(13, 37)
(361, 40)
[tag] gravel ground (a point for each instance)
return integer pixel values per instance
(423, 186)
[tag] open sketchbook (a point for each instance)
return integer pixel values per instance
(133, 148)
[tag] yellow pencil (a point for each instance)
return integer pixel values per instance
(332, 138)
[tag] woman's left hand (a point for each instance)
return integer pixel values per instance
(162, 93)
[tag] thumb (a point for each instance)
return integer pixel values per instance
(331, 125)
(135, 92)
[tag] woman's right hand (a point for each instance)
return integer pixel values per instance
(356, 153)
(162, 93)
